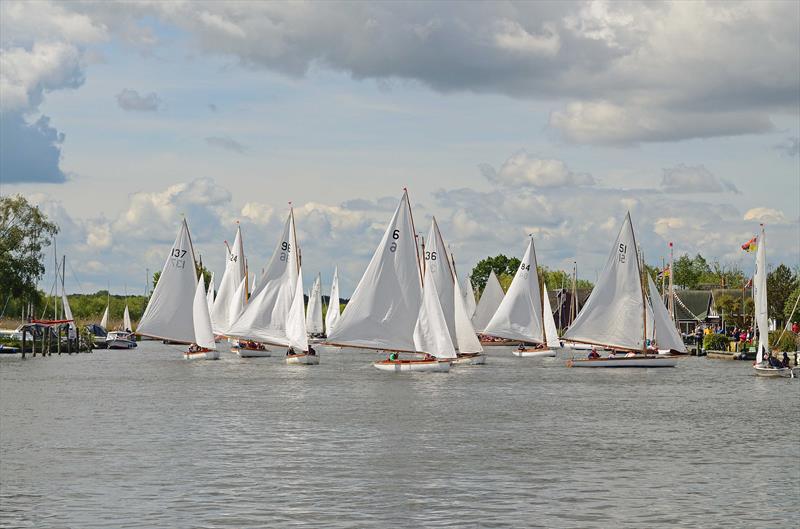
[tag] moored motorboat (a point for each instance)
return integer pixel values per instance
(120, 340)
(624, 361)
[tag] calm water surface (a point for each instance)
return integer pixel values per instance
(147, 439)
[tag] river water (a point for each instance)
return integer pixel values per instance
(143, 438)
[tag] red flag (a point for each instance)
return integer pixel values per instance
(750, 246)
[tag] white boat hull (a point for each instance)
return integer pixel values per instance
(578, 346)
(201, 355)
(302, 359)
(415, 366)
(640, 361)
(251, 353)
(534, 353)
(477, 359)
(772, 372)
(120, 344)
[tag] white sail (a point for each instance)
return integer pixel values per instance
(253, 287)
(296, 331)
(68, 313)
(126, 319)
(437, 260)
(314, 311)
(466, 339)
(490, 300)
(760, 297)
(430, 332)
(264, 319)
(238, 301)
(203, 333)
(469, 298)
(104, 320)
(383, 310)
(333, 314)
(519, 316)
(221, 317)
(169, 312)
(666, 334)
(210, 294)
(613, 314)
(550, 329)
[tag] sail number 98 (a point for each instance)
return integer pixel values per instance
(395, 236)
(286, 247)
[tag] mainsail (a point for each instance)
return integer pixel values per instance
(210, 294)
(314, 310)
(760, 297)
(437, 260)
(491, 298)
(519, 316)
(104, 321)
(333, 314)
(126, 319)
(466, 339)
(238, 301)
(469, 298)
(666, 335)
(221, 317)
(550, 330)
(169, 312)
(383, 310)
(264, 319)
(430, 332)
(203, 334)
(296, 332)
(613, 314)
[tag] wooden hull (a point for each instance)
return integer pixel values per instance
(469, 359)
(534, 353)
(201, 355)
(251, 353)
(772, 372)
(302, 359)
(640, 361)
(415, 366)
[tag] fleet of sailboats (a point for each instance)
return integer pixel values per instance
(409, 303)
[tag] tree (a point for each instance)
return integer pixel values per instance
(689, 271)
(780, 283)
(499, 263)
(24, 233)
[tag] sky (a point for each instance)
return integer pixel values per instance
(503, 119)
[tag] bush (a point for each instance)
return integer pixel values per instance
(789, 341)
(715, 342)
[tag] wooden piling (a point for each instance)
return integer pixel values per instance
(24, 333)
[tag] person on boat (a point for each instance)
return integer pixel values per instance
(612, 354)
(393, 357)
(785, 359)
(630, 354)
(428, 357)
(311, 351)
(593, 353)
(290, 352)
(521, 347)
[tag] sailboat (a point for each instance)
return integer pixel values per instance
(442, 267)
(332, 315)
(470, 350)
(387, 304)
(300, 352)
(229, 298)
(490, 300)
(617, 312)
(550, 329)
(263, 321)
(314, 311)
(520, 315)
(762, 366)
(178, 308)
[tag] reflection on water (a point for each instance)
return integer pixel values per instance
(144, 438)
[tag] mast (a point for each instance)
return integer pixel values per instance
(541, 291)
(414, 230)
(573, 306)
(671, 299)
(640, 261)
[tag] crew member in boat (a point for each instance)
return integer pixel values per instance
(593, 353)
(311, 351)
(521, 347)
(630, 354)
(290, 352)
(612, 354)
(785, 359)
(428, 357)
(393, 357)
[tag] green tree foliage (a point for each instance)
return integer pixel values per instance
(780, 284)
(787, 308)
(501, 264)
(89, 307)
(688, 271)
(731, 308)
(715, 342)
(24, 233)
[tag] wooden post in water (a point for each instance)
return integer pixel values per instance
(58, 343)
(23, 342)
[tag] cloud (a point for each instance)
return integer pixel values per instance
(790, 147)
(131, 100)
(29, 152)
(765, 215)
(694, 179)
(224, 142)
(523, 170)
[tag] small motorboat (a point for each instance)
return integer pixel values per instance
(248, 349)
(305, 359)
(120, 340)
(199, 353)
(420, 365)
(469, 359)
(624, 361)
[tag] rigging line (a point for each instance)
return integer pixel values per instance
(75, 276)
